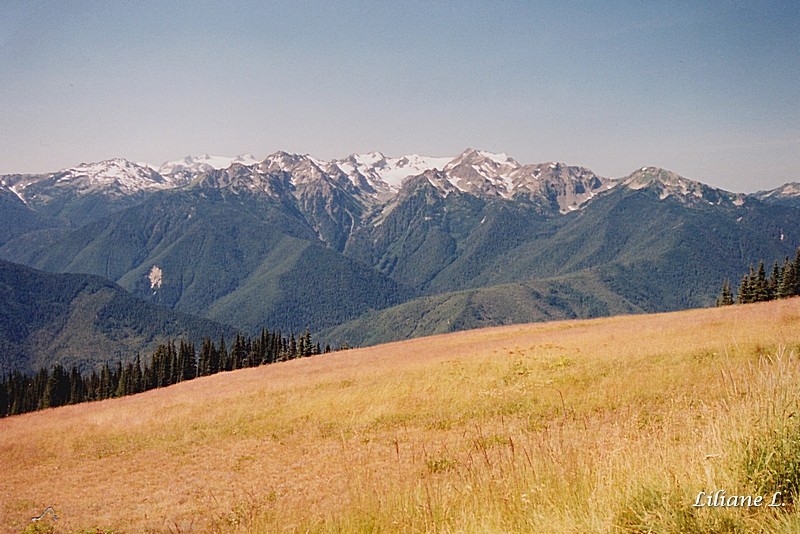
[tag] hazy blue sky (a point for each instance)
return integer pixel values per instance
(710, 90)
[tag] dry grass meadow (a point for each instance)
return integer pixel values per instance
(607, 425)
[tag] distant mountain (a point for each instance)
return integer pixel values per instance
(82, 320)
(688, 192)
(382, 248)
(230, 248)
(183, 170)
(17, 218)
(653, 241)
(787, 194)
(91, 190)
(381, 171)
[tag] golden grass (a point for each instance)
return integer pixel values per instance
(608, 425)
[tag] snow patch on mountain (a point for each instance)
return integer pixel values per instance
(378, 169)
(118, 176)
(7, 184)
(562, 187)
(204, 163)
(671, 185)
(786, 191)
(481, 172)
(14, 190)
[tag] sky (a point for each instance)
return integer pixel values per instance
(710, 90)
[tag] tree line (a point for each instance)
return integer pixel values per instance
(783, 282)
(170, 363)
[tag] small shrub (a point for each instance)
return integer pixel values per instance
(440, 465)
(770, 451)
(652, 510)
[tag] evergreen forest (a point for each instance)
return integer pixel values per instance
(171, 362)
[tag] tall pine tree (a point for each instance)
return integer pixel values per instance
(726, 298)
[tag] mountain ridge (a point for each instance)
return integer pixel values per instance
(292, 241)
(474, 171)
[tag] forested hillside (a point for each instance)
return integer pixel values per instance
(82, 320)
(357, 250)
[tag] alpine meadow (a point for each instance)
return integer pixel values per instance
(193, 277)
(603, 425)
(399, 267)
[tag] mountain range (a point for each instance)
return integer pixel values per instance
(371, 248)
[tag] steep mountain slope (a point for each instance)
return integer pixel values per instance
(292, 240)
(437, 238)
(226, 254)
(17, 218)
(82, 320)
(652, 242)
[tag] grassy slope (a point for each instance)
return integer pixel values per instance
(605, 425)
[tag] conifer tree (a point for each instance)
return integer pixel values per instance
(726, 298)
(4, 395)
(224, 357)
(746, 290)
(57, 388)
(308, 347)
(105, 383)
(796, 269)
(122, 385)
(773, 282)
(262, 348)
(761, 290)
(76, 389)
(292, 347)
(138, 380)
(238, 353)
(787, 284)
(204, 361)
(174, 368)
(187, 361)
(93, 386)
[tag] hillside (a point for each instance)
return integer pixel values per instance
(236, 259)
(375, 249)
(606, 425)
(581, 296)
(82, 320)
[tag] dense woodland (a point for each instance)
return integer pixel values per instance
(783, 282)
(170, 363)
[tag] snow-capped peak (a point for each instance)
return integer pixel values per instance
(204, 163)
(562, 187)
(501, 158)
(302, 167)
(787, 190)
(478, 171)
(368, 159)
(669, 184)
(116, 174)
(381, 171)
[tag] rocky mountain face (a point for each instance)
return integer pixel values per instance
(292, 241)
(787, 194)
